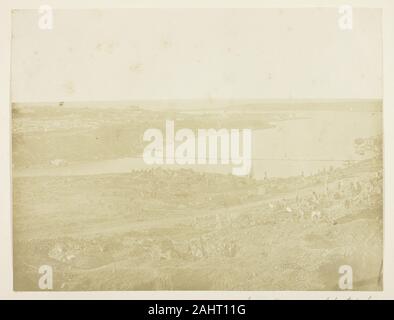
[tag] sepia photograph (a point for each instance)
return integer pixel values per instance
(197, 149)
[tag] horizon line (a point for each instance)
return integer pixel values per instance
(212, 100)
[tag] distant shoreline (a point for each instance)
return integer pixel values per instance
(232, 105)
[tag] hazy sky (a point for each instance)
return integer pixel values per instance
(196, 54)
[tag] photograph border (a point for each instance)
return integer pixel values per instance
(6, 269)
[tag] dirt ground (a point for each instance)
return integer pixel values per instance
(101, 239)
